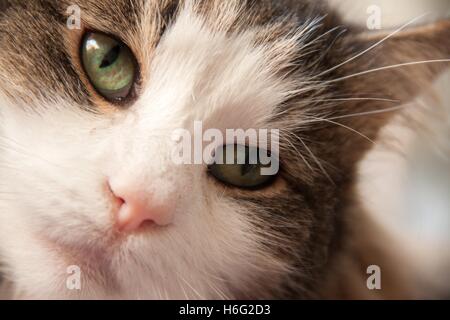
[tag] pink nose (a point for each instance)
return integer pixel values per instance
(137, 208)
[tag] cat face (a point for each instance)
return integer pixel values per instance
(78, 162)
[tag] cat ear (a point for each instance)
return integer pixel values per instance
(398, 64)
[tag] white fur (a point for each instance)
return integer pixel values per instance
(54, 166)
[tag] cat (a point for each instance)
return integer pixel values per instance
(86, 177)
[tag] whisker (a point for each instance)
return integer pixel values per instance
(356, 99)
(374, 45)
(325, 52)
(308, 102)
(318, 38)
(297, 151)
(386, 110)
(386, 68)
(182, 288)
(316, 160)
(345, 127)
(192, 288)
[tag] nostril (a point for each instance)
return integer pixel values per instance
(131, 216)
(119, 202)
(137, 208)
(116, 200)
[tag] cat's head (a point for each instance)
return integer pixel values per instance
(86, 141)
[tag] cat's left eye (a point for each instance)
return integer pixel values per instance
(241, 166)
(109, 64)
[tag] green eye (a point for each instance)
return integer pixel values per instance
(109, 64)
(241, 166)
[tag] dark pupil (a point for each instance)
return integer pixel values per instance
(110, 57)
(246, 168)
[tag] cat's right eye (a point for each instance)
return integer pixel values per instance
(109, 64)
(240, 166)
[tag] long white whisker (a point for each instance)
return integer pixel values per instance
(356, 99)
(386, 68)
(374, 45)
(368, 113)
(345, 127)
